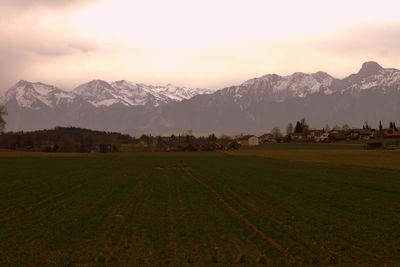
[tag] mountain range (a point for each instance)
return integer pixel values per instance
(255, 106)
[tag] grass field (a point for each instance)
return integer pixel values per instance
(269, 206)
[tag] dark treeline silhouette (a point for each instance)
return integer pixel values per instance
(62, 139)
(73, 139)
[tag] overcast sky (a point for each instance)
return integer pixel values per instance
(208, 43)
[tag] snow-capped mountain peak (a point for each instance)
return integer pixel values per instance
(36, 95)
(372, 75)
(269, 88)
(143, 94)
(278, 88)
(100, 93)
(95, 87)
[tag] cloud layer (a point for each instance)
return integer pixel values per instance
(203, 44)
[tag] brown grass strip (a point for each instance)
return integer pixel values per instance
(379, 159)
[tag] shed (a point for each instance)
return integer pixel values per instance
(106, 148)
(267, 138)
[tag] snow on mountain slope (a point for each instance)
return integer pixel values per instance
(37, 95)
(142, 94)
(271, 87)
(100, 93)
(275, 88)
(371, 75)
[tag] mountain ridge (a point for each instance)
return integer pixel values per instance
(99, 93)
(252, 106)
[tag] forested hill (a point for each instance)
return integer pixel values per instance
(62, 139)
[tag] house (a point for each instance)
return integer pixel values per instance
(299, 137)
(249, 140)
(338, 132)
(323, 137)
(267, 138)
(315, 133)
(337, 136)
(391, 133)
(318, 136)
(353, 134)
(366, 134)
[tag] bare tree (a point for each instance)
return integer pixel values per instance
(276, 132)
(327, 128)
(345, 127)
(289, 129)
(304, 126)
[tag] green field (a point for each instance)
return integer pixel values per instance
(251, 207)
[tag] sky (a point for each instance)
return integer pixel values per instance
(203, 44)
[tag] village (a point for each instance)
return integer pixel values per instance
(71, 139)
(301, 133)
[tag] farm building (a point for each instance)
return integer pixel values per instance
(249, 140)
(366, 134)
(323, 137)
(318, 135)
(299, 137)
(353, 134)
(340, 136)
(267, 138)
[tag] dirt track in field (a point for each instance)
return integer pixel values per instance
(251, 226)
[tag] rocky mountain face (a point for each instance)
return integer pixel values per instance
(259, 104)
(255, 106)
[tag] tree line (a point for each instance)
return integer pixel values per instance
(62, 139)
